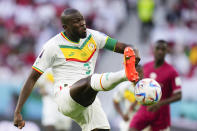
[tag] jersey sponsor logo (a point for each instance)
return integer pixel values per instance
(80, 54)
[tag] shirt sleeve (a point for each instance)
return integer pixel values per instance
(104, 41)
(44, 60)
(176, 82)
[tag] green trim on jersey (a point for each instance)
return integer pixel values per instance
(38, 70)
(73, 47)
(110, 44)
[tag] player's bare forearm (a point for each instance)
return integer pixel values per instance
(27, 89)
(117, 107)
(175, 97)
(139, 69)
(125, 117)
(120, 49)
(132, 107)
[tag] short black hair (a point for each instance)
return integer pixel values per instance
(70, 11)
(66, 13)
(161, 42)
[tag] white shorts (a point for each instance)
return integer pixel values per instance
(88, 118)
(51, 115)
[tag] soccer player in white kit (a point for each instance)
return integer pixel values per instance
(72, 56)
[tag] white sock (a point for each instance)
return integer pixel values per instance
(107, 81)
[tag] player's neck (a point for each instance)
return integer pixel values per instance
(158, 63)
(71, 37)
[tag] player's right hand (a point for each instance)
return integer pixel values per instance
(125, 117)
(137, 56)
(18, 121)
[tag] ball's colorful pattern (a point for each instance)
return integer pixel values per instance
(147, 91)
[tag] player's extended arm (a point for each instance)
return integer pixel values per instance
(175, 97)
(125, 117)
(120, 49)
(25, 92)
(132, 107)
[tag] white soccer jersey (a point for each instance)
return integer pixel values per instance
(125, 94)
(71, 61)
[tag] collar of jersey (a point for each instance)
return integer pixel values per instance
(81, 47)
(64, 35)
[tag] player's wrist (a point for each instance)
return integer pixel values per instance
(122, 115)
(160, 103)
(17, 111)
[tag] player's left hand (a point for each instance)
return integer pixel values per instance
(154, 108)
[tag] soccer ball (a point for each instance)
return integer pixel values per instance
(147, 91)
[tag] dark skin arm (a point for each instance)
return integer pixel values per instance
(120, 49)
(132, 107)
(25, 92)
(175, 97)
(125, 117)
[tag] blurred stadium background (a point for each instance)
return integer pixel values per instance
(25, 25)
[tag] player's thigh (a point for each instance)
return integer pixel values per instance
(89, 118)
(66, 105)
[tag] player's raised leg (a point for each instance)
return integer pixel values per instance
(129, 62)
(84, 91)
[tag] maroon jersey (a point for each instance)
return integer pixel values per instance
(169, 80)
(165, 75)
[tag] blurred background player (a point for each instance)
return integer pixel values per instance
(145, 10)
(52, 119)
(125, 103)
(157, 116)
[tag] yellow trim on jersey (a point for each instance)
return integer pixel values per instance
(129, 96)
(49, 77)
(80, 54)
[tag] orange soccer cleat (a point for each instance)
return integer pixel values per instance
(129, 62)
